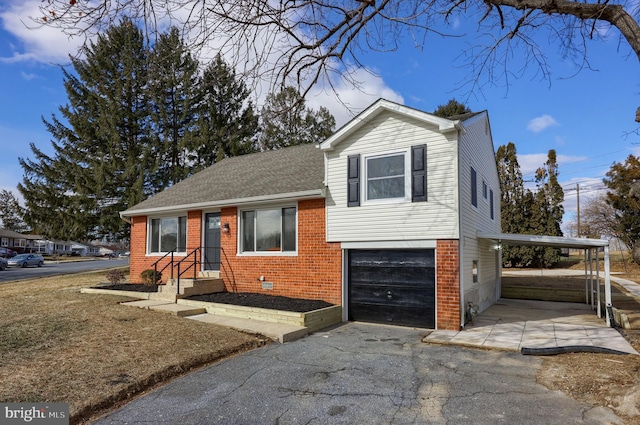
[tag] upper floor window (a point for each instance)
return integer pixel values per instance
(168, 234)
(474, 187)
(385, 177)
(491, 204)
(268, 230)
(392, 176)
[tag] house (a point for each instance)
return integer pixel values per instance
(13, 240)
(381, 218)
(42, 245)
(84, 249)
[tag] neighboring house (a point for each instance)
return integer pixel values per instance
(85, 249)
(44, 246)
(381, 218)
(13, 240)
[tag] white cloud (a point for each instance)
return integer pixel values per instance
(541, 123)
(345, 101)
(50, 45)
(28, 76)
(46, 45)
(529, 163)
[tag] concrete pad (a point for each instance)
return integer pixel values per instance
(514, 324)
(277, 331)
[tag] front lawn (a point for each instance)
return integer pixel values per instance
(58, 345)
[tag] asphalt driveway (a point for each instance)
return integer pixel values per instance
(362, 374)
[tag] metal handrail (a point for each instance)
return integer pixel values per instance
(177, 264)
(155, 265)
(194, 264)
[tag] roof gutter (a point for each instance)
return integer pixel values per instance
(307, 194)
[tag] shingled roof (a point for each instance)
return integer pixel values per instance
(263, 175)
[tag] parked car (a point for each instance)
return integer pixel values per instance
(24, 260)
(3, 264)
(7, 253)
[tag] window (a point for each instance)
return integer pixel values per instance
(268, 230)
(474, 187)
(4, 242)
(474, 271)
(392, 176)
(385, 177)
(168, 234)
(484, 190)
(491, 204)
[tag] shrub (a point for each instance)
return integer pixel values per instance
(147, 277)
(115, 276)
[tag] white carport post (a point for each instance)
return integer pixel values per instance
(607, 284)
(598, 308)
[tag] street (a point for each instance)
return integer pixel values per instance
(52, 268)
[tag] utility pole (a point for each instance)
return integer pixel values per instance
(578, 198)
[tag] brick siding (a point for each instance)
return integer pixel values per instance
(448, 285)
(315, 273)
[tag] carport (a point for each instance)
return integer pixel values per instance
(588, 245)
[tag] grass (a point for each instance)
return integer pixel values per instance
(58, 345)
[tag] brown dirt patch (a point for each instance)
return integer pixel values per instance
(87, 350)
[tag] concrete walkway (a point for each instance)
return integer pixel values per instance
(515, 324)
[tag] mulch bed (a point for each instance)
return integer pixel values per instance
(137, 287)
(272, 302)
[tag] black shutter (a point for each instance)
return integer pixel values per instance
(419, 173)
(353, 180)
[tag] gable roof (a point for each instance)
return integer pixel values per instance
(6, 233)
(444, 125)
(290, 173)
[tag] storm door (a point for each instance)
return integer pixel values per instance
(211, 252)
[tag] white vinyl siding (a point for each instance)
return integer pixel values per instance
(476, 151)
(437, 218)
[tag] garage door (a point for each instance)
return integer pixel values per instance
(392, 286)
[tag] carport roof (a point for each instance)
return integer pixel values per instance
(542, 240)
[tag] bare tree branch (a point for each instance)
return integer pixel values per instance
(303, 42)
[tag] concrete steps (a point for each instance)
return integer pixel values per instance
(205, 283)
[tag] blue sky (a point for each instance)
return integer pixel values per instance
(584, 117)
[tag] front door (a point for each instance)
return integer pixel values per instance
(211, 254)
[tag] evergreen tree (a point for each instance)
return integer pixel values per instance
(515, 204)
(623, 181)
(286, 121)
(228, 124)
(11, 213)
(100, 163)
(173, 89)
(451, 108)
(548, 210)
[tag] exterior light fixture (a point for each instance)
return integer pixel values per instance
(226, 228)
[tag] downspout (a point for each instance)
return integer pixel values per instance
(460, 236)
